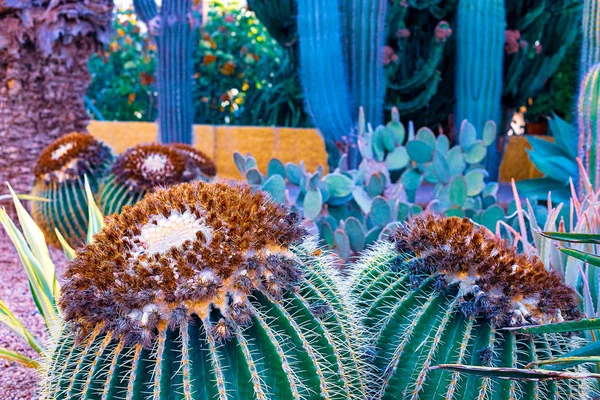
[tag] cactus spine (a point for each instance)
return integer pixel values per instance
(590, 49)
(423, 311)
(341, 61)
(175, 39)
(588, 114)
(480, 49)
(237, 306)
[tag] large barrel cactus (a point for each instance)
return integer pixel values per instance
(587, 111)
(143, 168)
(440, 292)
(59, 177)
(590, 48)
(204, 291)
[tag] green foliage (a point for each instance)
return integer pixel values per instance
(352, 208)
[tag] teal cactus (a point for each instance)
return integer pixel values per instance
(174, 27)
(352, 208)
(590, 49)
(59, 177)
(144, 168)
(341, 62)
(587, 111)
(436, 299)
(205, 291)
(479, 55)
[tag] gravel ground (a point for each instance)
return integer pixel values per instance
(16, 381)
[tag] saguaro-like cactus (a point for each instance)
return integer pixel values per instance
(143, 168)
(588, 109)
(480, 29)
(59, 177)
(173, 25)
(205, 291)
(590, 49)
(436, 298)
(341, 61)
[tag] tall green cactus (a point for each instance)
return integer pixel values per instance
(175, 33)
(590, 49)
(59, 177)
(435, 299)
(341, 61)
(205, 291)
(588, 109)
(479, 54)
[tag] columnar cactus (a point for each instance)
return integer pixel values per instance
(143, 168)
(590, 49)
(440, 292)
(205, 291)
(59, 177)
(173, 25)
(587, 112)
(480, 49)
(341, 52)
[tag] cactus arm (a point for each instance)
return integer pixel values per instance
(146, 9)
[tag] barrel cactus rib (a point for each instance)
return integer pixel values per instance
(588, 124)
(262, 317)
(448, 292)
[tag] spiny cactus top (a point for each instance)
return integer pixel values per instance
(147, 166)
(178, 252)
(517, 289)
(70, 157)
(195, 161)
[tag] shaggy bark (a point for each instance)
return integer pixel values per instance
(44, 49)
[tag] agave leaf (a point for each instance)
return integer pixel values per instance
(570, 326)
(68, 250)
(13, 323)
(13, 356)
(516, 373)
(25, 197)
(584, 256)
(95, 217)
(573, 237)
(566, 360)
(44, 292)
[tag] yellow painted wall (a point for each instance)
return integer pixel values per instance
(515, 162)
(220, 142)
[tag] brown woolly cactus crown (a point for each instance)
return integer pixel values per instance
(195, 161)
(494, 280)
(146, 166)
(70, 156)
(179, 252)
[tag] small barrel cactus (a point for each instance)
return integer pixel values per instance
(143, 168)
(59, 177)
(204, 291)
(440, 291)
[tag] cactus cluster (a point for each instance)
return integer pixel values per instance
(437, 299)
(352, 208)
(59, 178)
(205, 291)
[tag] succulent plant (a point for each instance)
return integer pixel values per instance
(59, 177)
(205, 290)
(587, 107)
(143, 168)
(440, 297)
(353, 208)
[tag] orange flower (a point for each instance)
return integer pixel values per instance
(146, 79)
(131, 98)
(228, 68)
(114, 46)
(121, 32)
(128, 40)
(209, 59)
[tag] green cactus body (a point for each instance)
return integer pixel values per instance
(479, 54)
(587, 111)
(59, 178)
(143, 168)
(590, 49)
(425, 310)
(247, 309)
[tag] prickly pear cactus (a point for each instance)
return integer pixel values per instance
(205, 291)
(143, 168)
(59, 177)
(439, 293)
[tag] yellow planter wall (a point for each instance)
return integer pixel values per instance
(515, 162)
(220, 142)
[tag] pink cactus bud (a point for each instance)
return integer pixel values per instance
(442, 31)
(511, 41)
(389, 56)
(403, 33)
